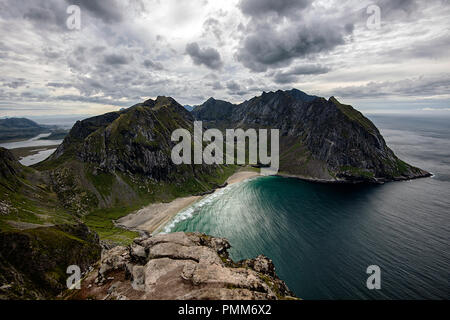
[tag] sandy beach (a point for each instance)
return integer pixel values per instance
(241, 176)
(156, 215)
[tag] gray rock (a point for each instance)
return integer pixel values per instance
(138, 251)
(187, 266)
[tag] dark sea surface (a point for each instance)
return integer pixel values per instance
(322, 237)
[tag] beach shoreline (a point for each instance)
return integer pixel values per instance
(153, 217)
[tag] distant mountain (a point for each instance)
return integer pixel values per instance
(19, 128)
(188, 107)
(18, 123)
(214, 110)
(321, 140)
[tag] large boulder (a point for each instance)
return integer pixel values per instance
(181, 266)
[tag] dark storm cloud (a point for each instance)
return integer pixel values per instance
(301, 31)
(108, 11)
(153, 65)
(51, 54)
(59, 85)
(291, 75)
(208, 57)
(14, 84)
(30, 95)
(235, 88)
(43, 14)
(265, 47)
(40, 14)
(420, 86)
(280, 7)
(390, 8)
(53, 13)
(115, 59)
(216, 85)
(424, 49)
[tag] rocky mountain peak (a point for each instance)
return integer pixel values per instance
(320, 139)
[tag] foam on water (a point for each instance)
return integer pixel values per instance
(196, 207)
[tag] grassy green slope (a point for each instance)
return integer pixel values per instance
(39, 238)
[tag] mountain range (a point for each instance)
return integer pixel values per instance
(113, 164)
(19, 128)
(320, 139)
(12, 129)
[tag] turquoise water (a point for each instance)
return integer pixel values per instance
(323, 237)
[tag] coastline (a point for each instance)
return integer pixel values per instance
(153, 217)
(425, 174)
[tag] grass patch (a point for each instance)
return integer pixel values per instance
(103, 182)
(101, 221)
(357, 172)
(354, 115)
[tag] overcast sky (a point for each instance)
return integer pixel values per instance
(129, 50)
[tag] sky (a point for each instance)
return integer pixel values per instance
(73, 57)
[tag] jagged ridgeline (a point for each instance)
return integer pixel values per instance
(321, 140)
(123, 158)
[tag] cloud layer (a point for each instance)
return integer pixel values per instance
(208, 57)
(127, 51)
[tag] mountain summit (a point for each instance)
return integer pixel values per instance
(320, 139)
(124, 158)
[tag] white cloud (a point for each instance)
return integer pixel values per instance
(133, 49)
(435, 109)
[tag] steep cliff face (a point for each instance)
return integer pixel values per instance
(320, 139)
(138, 140)
(135, 140)
(124, 158)
(181, 266)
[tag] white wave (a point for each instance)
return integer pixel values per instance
(190, 211)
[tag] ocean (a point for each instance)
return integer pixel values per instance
(322, 238)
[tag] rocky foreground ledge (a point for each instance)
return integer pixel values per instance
(180, 266)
